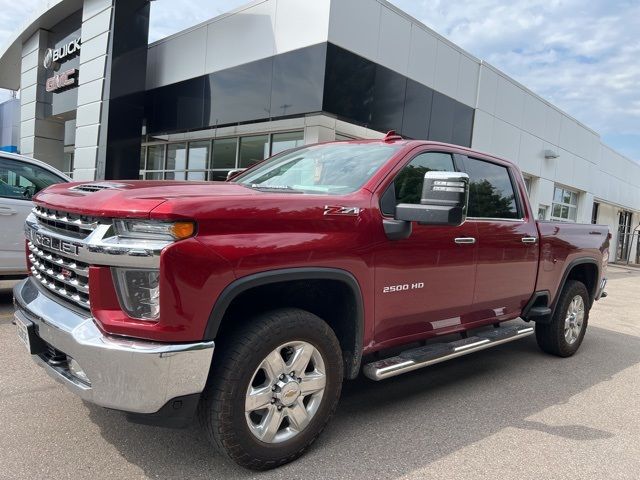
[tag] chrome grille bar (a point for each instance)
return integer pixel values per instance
(65, 221)
(63, 292)
(60, 274)
(75, 267)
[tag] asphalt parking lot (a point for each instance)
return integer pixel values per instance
(509, 413)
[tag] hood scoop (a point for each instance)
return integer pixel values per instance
(97, 187)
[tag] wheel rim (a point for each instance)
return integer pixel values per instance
(285, 392)
(574, 320)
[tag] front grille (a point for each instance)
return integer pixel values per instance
(61, 274)
(71, 224)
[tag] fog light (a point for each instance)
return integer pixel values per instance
(139, 292)
(76, 370)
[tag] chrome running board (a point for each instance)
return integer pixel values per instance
(431, 354)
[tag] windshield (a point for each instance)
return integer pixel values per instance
(336, 168)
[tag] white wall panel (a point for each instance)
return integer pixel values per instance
(94, 48)
(395, 35)
(180, 59)
(467, 81)
(552, 125)
(242, 37)
(96, 25)
(530, 153)
(487, 89)
(581, 175)
(534, 115)
(355, 25)
(509, 102)
(482, 131)
(564, 167)
(447, 69)
(301, 24)
(506, 140)
(422, 56)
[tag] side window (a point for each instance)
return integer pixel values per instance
(408, 182)
(491, 193)
(22, 180)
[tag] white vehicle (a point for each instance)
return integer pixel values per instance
(20, 179)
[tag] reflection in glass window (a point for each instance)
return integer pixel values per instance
(199, 155)
(330, 168)
(408, 183)
(253, 150)
(218, 175)
(224, 153)
(491, 193)
(176, 157)
(286, 141)
(22, 181)
(155, 157)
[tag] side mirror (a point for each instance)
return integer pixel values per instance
(445, 196)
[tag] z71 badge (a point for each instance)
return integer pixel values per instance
(342, 211)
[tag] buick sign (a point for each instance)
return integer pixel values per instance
(56, 55)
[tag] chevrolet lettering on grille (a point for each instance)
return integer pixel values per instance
(53, 243)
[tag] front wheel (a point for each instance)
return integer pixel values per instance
(563, 336)
(274, 386)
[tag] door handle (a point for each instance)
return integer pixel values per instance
(465, 240)
(529, 239)
(6, 211)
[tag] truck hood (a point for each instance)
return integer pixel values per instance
(126, 199)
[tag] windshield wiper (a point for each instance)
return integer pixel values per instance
(275, 188)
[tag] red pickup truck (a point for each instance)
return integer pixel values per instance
(377, 256)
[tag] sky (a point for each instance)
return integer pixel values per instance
(582, 56)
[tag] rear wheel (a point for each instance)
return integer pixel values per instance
(274, 386)
(564, 334)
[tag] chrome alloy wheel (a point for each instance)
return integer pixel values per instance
(574, 320)
(285, 392)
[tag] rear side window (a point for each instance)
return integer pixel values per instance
(21, 180)
(491, 193)
(408, 182)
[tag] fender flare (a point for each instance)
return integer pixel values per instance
(565, 275)
(248, 282)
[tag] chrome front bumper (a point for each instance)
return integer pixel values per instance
(124, 374)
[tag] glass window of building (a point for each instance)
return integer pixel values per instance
(224, 153)
(565, 205)
(176, 156)
(253, 150)
(199, 155)
(286, 141)
(155, 157)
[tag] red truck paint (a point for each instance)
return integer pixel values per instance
(243, 231)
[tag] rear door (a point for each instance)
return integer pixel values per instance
(19, 181)
(423, 283)
(507, 241)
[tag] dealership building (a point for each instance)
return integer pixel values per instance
(98, 101)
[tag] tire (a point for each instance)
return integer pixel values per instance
(244, 361)
(553, 338)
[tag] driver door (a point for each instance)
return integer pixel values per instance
(424, 283)
(16, 189)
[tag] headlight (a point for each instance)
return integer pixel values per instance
(154, 230)
(138, 292)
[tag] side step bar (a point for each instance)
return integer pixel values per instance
(441, 352)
